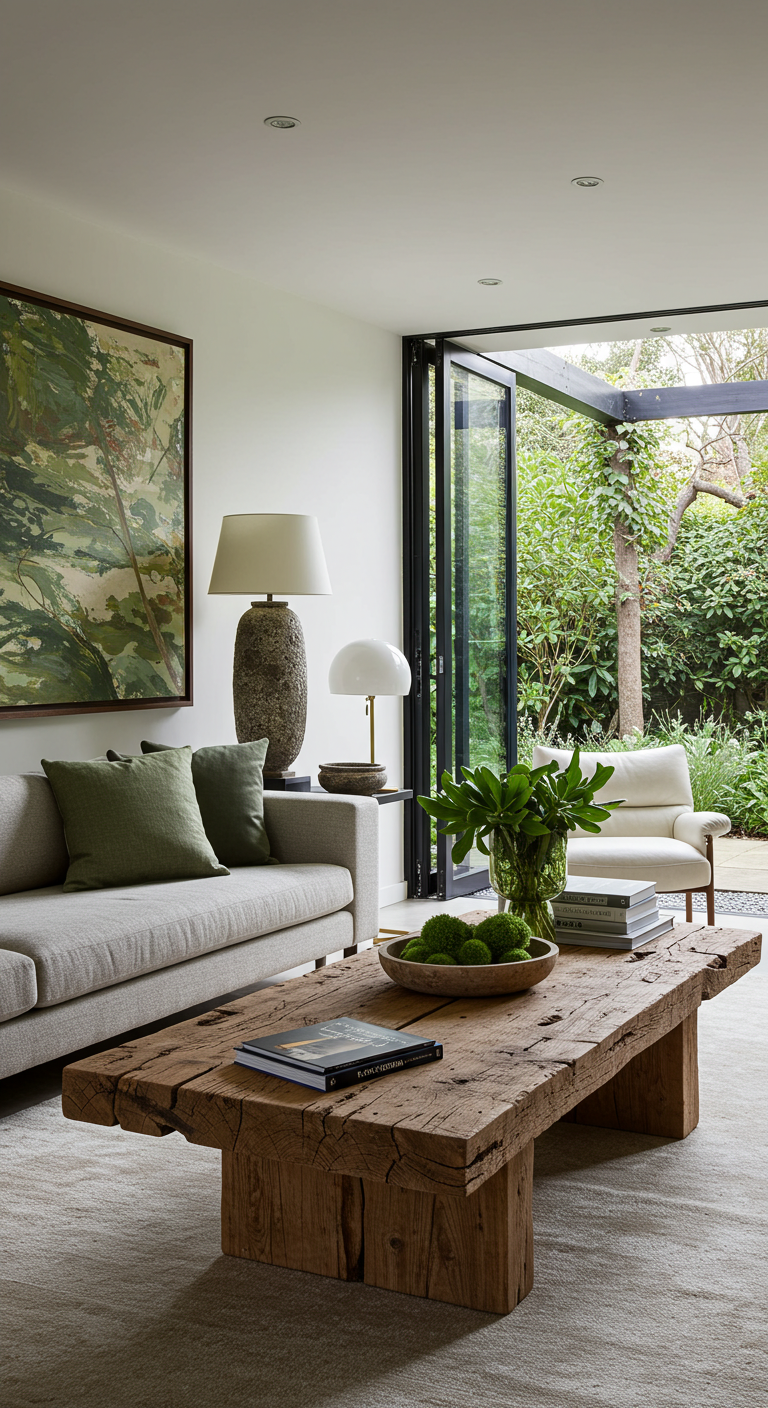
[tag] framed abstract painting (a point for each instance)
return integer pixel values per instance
(95, 530)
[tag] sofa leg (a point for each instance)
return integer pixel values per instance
(689, 906)
(320, 963)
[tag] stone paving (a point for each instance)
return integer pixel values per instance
(741, 863)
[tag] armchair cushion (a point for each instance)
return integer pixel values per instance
(644, 777)
(695, 827)
(671, 864)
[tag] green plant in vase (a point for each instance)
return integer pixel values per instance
(521, 822)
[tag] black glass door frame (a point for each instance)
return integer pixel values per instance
(437, 613)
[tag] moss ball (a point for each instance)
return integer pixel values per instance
(415, 951)
(515, 955)
(445, 934)
(442, 958)
(503, 931)
(475, 952)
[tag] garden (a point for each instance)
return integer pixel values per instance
(642, 580)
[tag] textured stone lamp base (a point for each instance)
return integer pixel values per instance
(269, 682)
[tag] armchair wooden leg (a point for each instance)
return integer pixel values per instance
(710, 891)
(689, 906)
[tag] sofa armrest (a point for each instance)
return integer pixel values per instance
(695, 827)
(307, 827)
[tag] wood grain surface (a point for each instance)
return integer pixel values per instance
(512, 1065)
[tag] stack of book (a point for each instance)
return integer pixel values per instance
(334, 1054)
(602, 913)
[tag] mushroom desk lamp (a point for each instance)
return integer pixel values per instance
(270, 553)
(368, 668)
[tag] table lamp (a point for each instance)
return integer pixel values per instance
(369, 667)
(270, 552)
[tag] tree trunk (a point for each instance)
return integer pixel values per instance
(628, 630)
(630, 682)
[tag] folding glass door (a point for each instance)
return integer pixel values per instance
(460, 588)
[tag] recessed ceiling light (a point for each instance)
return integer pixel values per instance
(587, 181)
(489, 283)
(661, 329)
(283, 123)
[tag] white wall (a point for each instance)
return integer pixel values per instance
(296, 409)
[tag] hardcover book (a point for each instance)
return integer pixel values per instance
(590, 938)
(619, 927)
(606, 913)
(333, 1054)
(602, 890)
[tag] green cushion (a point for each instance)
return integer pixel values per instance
(131, 822)
(229, 783)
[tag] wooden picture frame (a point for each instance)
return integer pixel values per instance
(95, 511)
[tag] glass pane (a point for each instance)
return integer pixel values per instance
(479, 524)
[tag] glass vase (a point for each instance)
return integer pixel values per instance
(529, 871)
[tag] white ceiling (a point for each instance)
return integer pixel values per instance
(437, 144)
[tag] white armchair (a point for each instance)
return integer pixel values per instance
(655, 834)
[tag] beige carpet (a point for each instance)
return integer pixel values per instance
(651, 1274)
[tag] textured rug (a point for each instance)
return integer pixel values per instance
(650, 1290)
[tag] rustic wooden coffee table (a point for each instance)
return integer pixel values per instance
(421, 1181)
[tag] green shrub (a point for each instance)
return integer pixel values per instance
(442, 958)
(515, 955)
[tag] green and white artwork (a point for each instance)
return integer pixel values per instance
(93, 509)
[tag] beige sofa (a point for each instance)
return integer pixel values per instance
(81, 968)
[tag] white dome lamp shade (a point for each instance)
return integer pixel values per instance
(368, 668)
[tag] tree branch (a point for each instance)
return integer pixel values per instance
(685, 498)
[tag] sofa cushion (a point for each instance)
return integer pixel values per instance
(673, 865)
(33, 851)
(91, 939)
(18, 984)
(132, 823)
(229, 784)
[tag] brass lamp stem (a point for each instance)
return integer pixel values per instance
(371, 698)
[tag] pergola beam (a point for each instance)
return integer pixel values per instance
(551, 376)
(558, 380)
(676, 402)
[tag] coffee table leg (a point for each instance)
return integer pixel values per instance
(657, 1092)
(475, 1251)
(292, 1215)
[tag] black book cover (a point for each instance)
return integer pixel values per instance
(335, 1045)
(343, 1076)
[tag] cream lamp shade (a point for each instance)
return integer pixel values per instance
(270, 552)
(369, 667)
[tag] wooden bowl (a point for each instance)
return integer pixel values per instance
(490, 980)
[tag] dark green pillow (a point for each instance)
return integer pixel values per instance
(229, 782)
(131, 822)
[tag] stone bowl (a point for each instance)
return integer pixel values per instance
(491, 980)
(360, 779)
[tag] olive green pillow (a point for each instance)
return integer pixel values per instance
(229, 782)
(131, 822)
